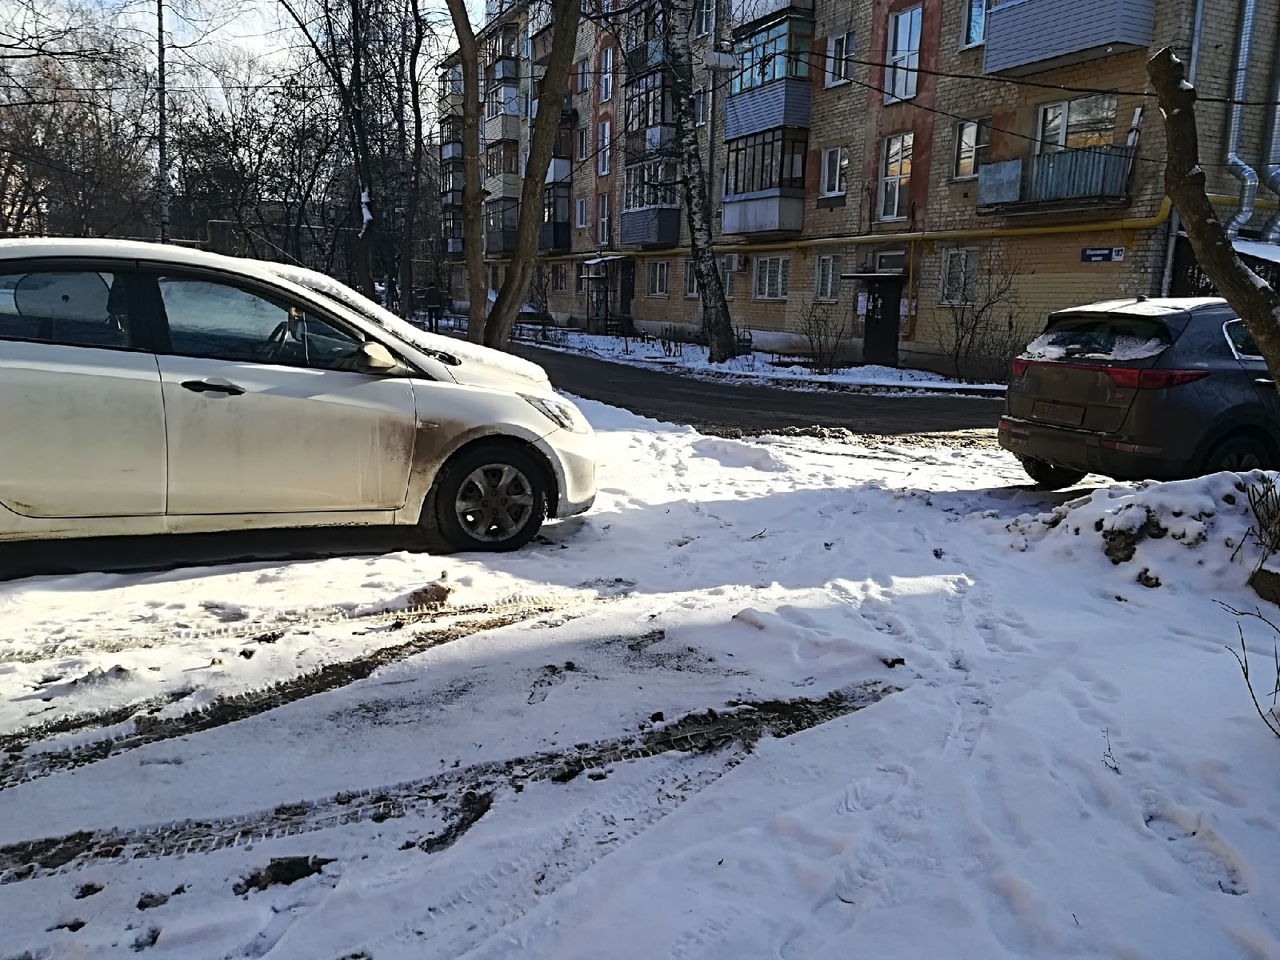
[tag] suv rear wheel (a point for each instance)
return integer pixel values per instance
(1049, 477)
(1238, 454)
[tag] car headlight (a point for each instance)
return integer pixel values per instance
(559, 412)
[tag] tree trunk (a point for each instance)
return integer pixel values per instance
(1252, 298)
(473, 180)
(697, 198)
(415, 172)
(565, 15)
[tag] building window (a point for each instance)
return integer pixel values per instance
(555, 204)
(766, 161)
(583, 82)
(582, 143)
(904, 54)
(503, 99)
(606, 74)
(839, 59)
(659, 271)
(704, 17)
(583, 272)
(559, 278)
(772, 274)
(895, 176)
(581, 219)
(834, 163)
(782, 50)
(602, 219)
(701, 105)
(895, 261)
(973, 140)
(604, 135)
(726, 275)
(650, 185)
(959, 274)
(827, 278)
(975, 22)
(690, 280)
(648, 105)
(1080, 124)
(501, 157)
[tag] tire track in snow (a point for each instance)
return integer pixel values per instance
(18, 769)
(701, 733)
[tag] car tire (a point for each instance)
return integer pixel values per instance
(1049, 477)
(489, 498)
(1239, 454)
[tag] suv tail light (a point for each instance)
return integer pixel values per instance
(1127, 378)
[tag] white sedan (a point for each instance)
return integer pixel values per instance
(155, 389)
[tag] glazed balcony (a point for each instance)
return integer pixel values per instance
(1028, 36)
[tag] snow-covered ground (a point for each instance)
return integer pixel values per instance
(1032, 750)
(759, 366)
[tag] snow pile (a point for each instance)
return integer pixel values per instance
(1201, 528)
(1051, 346)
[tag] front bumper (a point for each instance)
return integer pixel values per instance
(573, 458)
(1111, 456)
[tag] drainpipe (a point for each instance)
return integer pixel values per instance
(1247, 176)
(1271, 175)
(1175, 223)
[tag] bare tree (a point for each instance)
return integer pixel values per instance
(1184, 181)
(981, 335)
(826, 333)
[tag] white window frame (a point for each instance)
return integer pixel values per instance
(658, 278)
(690, 281)
(1064, 131)
(771, 278)
(898, 256)
(835, 77)
(978, 124)
(969, 259)
(902, 76)
(702, 97)
(726, 278)
(825, 187)
(704, 17)
(604, 211)
(584, 143)
(604, 134)
(581, 218)
(966, 20)
(584, 271)
(826, 277)
(897, 179)
(606, 74)
(584, 72)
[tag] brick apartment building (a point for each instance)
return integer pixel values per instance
(947, 141)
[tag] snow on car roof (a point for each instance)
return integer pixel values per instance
(1153, 307)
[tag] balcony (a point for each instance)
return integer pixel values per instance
(645, 56)
(651, 226)
(559, 170)
(451, 150)
(745, 13)
(504, 68)
(1066, 180)
(451, 104)
(451, 198)
(786, 102)
(1028, 36)
(499, 242)
(453, 245)
(554, 235)
(779, 210)
(533, 105)
(648, 140)
(502, 185)
(505, 126)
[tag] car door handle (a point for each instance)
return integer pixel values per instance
(213, 386)
(1265, 381)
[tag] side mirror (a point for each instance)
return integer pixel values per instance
(373, 358)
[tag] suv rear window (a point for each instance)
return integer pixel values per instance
(1103, 336)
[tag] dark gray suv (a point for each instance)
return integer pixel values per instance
(1141, 389)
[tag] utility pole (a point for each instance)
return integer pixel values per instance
(163, 166)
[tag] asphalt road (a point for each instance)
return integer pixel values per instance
(716, 405)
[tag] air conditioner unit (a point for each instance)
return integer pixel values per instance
(736, 262)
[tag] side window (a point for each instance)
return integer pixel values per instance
(1242, 339)
(219, 322)
(81, 308)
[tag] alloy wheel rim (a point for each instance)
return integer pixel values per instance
(494, 503)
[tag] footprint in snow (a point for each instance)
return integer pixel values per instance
(1213, 863)
(875, 790)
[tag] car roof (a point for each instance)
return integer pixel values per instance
(23, 248)
(1146, 307)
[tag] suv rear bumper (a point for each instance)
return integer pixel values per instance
(1081, 450)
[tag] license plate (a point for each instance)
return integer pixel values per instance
(1063, 413)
